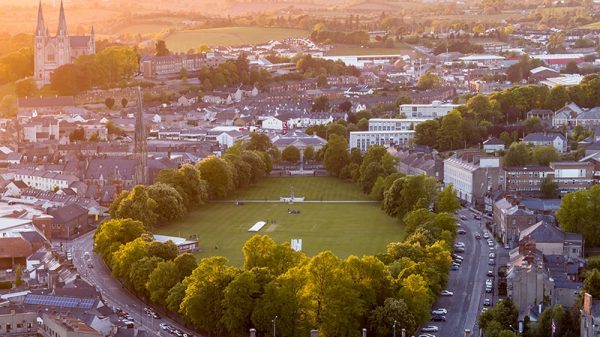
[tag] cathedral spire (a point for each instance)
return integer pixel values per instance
(62, 21)
(40, 29)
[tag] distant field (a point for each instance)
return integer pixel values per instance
(347, 49)
(346, 229)
(229, 36)
(7, 89)
(311, 188)
(595, 25)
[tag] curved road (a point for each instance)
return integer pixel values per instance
(112, 292)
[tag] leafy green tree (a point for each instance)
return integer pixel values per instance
(239, 300)
(127, 255)
(544, 155)
(409, 193)
(161, 48)
(113, 233)
(428, 81)
(124, 102)
(291, 154)
(187, 182)
(165, 250)
(137, 205)
(202, 304)
(175, 297)
(383, 184)
(591, 285)
(426, 132)
(218, 175)
(77, 135)
(566, 321)
(417, 296)
(517, 155)
(309, 154)
(164, 277)
(262, 252)
(109, 102)
(549, 188)
(450, 134)
(579, 212)
(447, 201)
(393, 310)
(8, 106)
(170, 205)
(185, 263)
(139, 273)
(363, 124)
(320, 104)
(557, 98)
(259, 141)
(336, 155)
(26, 87)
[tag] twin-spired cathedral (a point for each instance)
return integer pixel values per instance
(52, 52)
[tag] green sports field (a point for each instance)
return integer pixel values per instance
(182, 41)
(342, 227)
(311, 188)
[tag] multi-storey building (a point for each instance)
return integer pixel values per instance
(590, 317)
(525, 180)
(64, 326)
(429, 111)
(473, 174)
(510, 218)
(18, 322)
(386, 132)
(170, 66)
(45, 181)
(573, 176)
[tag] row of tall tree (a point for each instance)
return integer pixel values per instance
(106, 68)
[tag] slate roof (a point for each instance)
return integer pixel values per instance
(592, 114)
(67, 213)
(543, 137)
(493, 141)
(44, 102)
(14, 247)
(32, 236)
(543, 232)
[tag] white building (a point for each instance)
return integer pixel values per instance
(395, 124)
(362, 140)
(45, 181)
(429, 111)
(472, 175)
(272, 123)
(360, 61)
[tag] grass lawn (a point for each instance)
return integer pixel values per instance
(230, 36)
(348, 49)
(345, 229)
(311, 188)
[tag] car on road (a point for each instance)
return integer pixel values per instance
(488, 289)
(506, 246)
(489, 282)
(187, 335)
(458, 257)
(177, 333)
(461, 231)
(426, 335)
(492, 255)
(447, 293)
(490, 243)
(438, 318)
(455, 268)
(487, 302)
(477, 236)
(459, 244)
(430, 328)
(440, 311)
(477, 217)
(483, 310)
(492, 249)
(492, 262)
(463, 217)
(164, 326)
(459, 249)
(490, 273)
(486, 235)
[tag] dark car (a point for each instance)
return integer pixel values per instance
(438, 318)
(487, 302)
(490, 273)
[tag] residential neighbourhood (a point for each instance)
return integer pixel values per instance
(317, 169)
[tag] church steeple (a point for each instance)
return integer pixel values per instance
(62, 21)
(40, 29)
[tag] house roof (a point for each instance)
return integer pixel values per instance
(543, 232)
(543, 137)
(493, 141)
(14, 247)
(67, 213)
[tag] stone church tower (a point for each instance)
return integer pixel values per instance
(51, 52)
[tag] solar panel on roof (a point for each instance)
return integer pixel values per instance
(59, 301)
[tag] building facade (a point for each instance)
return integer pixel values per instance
(525, 180)
(429, 111)
(18, 322)
(51, 52)
(473, 174)
(573, 176)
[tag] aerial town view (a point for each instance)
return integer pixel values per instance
(300, 168)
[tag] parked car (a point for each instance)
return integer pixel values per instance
(486, 235)
(477, 236)
(477, 217)
(487, 302)
(492, 256)
(164, 326)
(430, 328)
(455, 268)
(492, 262)
(490, 273)
(488, 289)
(426, 335)
(438, 318)
(447, 293)
(463, 217)
(440, 311)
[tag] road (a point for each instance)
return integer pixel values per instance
(468, 283)
(112, 291)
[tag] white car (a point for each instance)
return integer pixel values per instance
(486, 235)
(426, 335)
(164, 326)
(447, 293)
(430, 328)
(439, 311)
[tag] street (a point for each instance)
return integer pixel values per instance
(468, 283)
(112, 292)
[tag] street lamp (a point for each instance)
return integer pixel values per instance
(394, 326)
(274, 332)
(513, 329)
